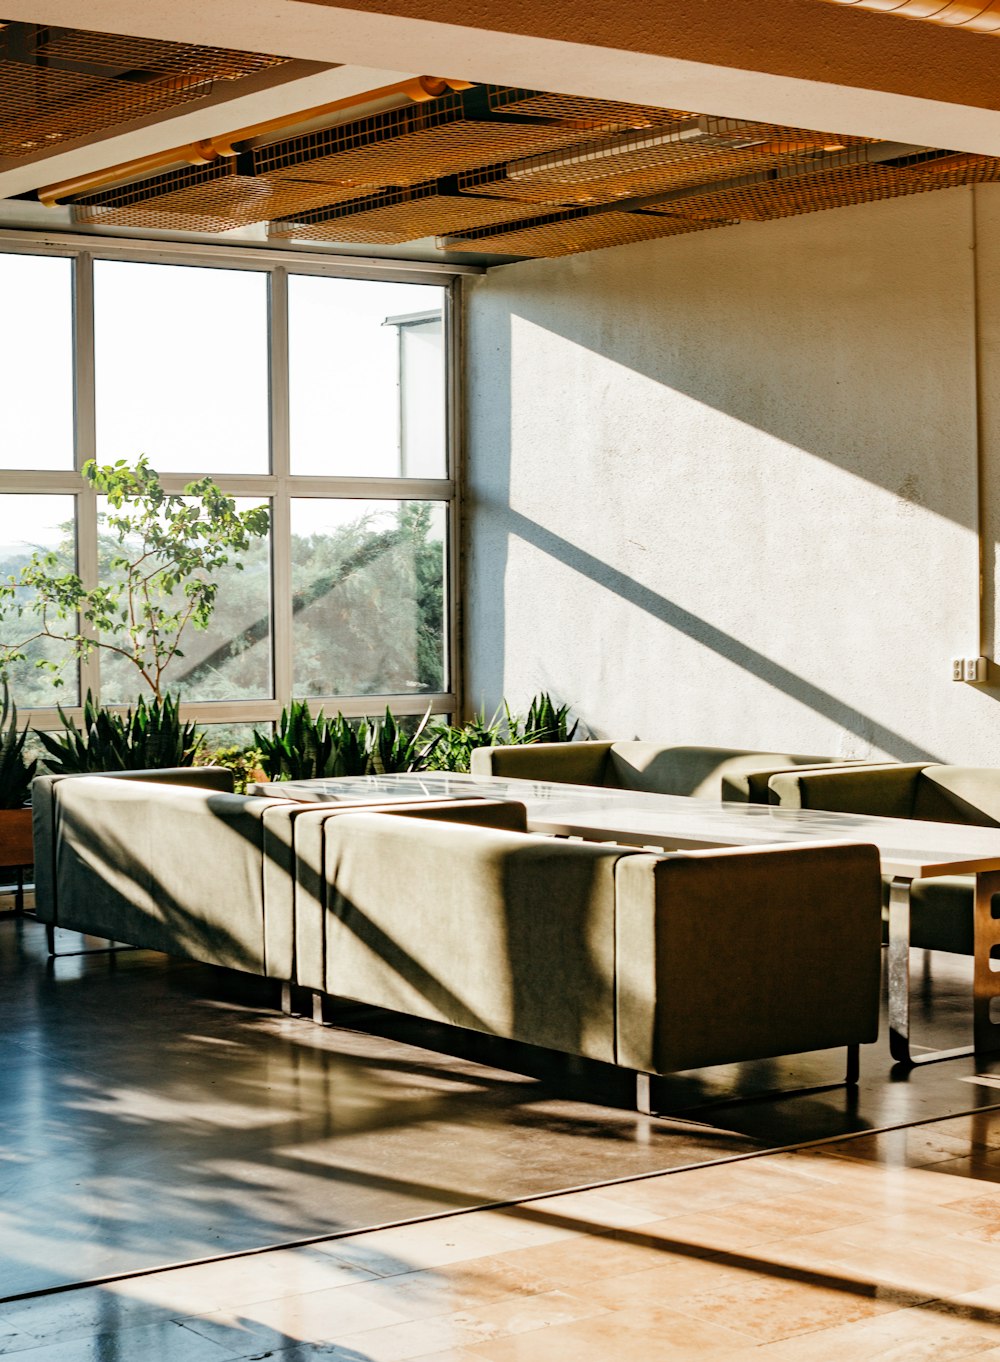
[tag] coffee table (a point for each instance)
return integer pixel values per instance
(909, 849)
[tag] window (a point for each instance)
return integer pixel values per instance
(180, 355)
(355, 410)
(46, 523)
(367, 597)
(36, 362)
(323, 397)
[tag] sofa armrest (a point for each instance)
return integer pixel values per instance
(878, 791)
(745, 953)
(572, 763)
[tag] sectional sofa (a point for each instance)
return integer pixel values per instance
(452, 911)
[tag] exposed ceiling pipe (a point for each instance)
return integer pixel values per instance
(418, 90)
(973, 16)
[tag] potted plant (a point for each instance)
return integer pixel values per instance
(164, 554)
(149, 737)
(166, 551)
(16, 775)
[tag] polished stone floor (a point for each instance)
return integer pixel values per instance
(156, 1112)
(873, 1249)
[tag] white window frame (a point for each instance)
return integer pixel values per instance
(279, 486)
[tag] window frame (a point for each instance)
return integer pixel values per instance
(280, 485)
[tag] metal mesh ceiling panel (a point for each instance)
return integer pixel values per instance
(840, 187)
(151, 54)
(504, 171)
(586, 114)
(647, 162)
(60, 84)
(569, 234)
(42, 108)
(407, 146)
(212, 198)
(395, 216)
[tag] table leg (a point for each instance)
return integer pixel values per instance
(986, 982)
(986, 985)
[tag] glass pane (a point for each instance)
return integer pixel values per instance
(47, 524)
(366, 378)
(367, 597)
(36, 362)
(231, 745)
(231, 659)
(182, 367)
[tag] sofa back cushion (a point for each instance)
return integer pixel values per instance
(699, 771)
(496, 931)
(959, 794)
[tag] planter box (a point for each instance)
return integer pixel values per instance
(15, 837)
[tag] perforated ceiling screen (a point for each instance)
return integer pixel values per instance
(60, 84)
(490, 170)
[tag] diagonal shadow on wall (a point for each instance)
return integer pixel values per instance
(707, 634)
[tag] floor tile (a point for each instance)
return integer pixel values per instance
(651, 1333)
(162, 1342)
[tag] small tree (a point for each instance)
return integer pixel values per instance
(168, 548)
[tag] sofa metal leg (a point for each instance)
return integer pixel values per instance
(646, 1103)
(317, 1009)
(286, 999)
(644, 1094)
(111, 949)
(853, 1066)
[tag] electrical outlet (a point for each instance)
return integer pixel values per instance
(975, 669)
(958, 668)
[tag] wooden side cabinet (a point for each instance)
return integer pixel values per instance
(16, 849)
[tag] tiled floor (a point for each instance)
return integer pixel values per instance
(880, 1247)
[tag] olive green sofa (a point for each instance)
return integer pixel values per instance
(174, 863)
(941, 908)
(173, 860)
(451, 911)
(704, 772)
(656, 963)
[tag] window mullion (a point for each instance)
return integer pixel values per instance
(281, 530)
(85, 448)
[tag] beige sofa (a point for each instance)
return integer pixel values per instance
(174, 861)
(703, 772)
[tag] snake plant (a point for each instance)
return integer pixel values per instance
(149, 737)
(16, 774)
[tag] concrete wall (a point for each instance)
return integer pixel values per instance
(724, 489)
